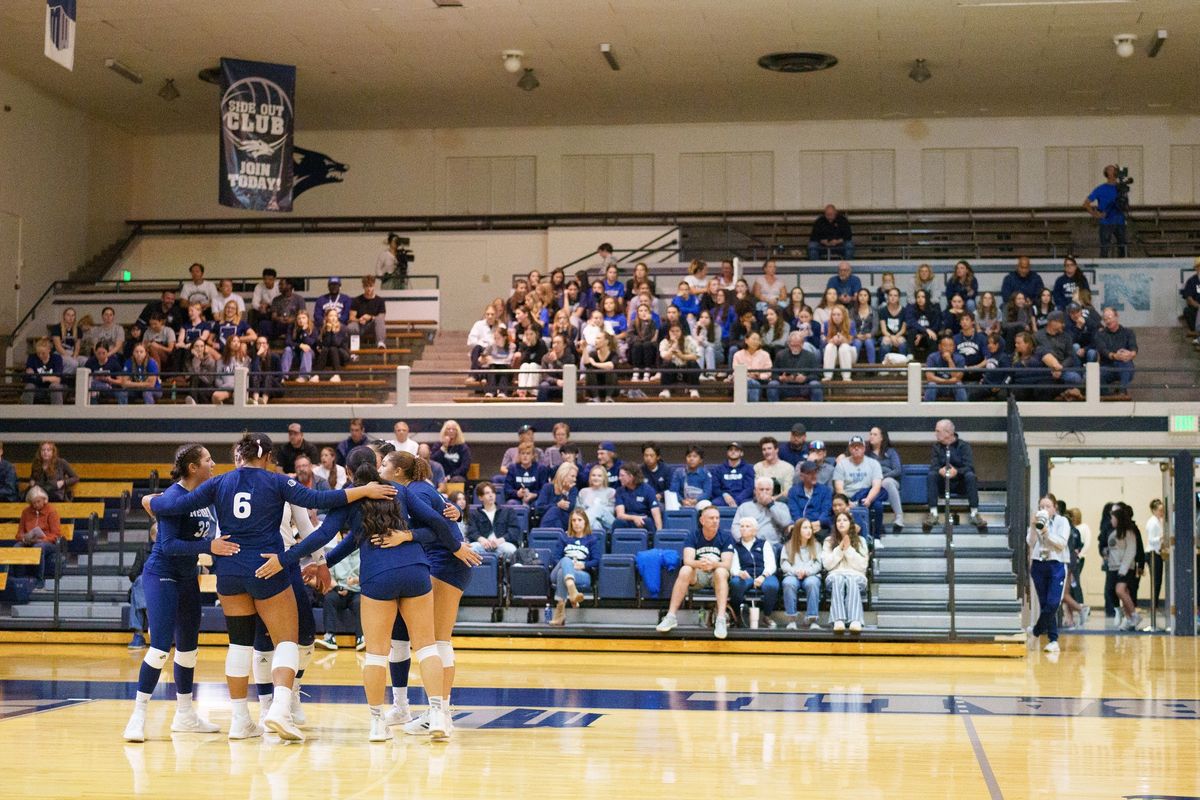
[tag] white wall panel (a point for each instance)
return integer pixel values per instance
(970, 176)
(726, 181)
(491, 185)
(848, 178)
(1072, 172)
(608, 183)
(1185, 173)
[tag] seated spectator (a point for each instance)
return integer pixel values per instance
(655, 471)
(697, 277)
(726, 277)
(491, 527)
(810, 500)
(598, 499)
(1018, 316)
(641, 274)
(173, 313)
(525, 435)
(225, 296)
(635, 502)
(497, 361)
(709, 298)
(1059, 355)
(599, 364)
(687, 303)
(846, 283)
(774, 331)
(1084, 298)
(1081, 334)
(1030, 378)
(733, 481)
(451, 452)
(332, 348)
(769, 288)
(266, 379)
(831, 236)
(307, 477)
(341, 603)
(771, 517)
(234, 356)
(301, 344)
(879, 448)
(231, 326)
(758, 365)
(576, 560)
(893, 327)
(865, 322)
(107, 331)
(8, 480)
(159, 340)
(944, 376)
(987, 314)
(66, 340)
(53, 474)
(612, 287)
(925, 280)
(358, 438)
(952, 318)
(140, 375)
(706, 336)
(821, 313)
(923, 324)
(328, 468)
(678, 356)
(963, 284)
(817, 454)
(643, 344)
(839, 337)
(773, 467)
(606, 456)
(692, 482)
(754, 567)
(801, 568)
(953, 458)
(333, 301)
(401, 440)
(525, 477)
(844, 557)
(614, 319)
(557, 499)
(745, 324)
(861, 480)
(259, 312)
(285, 454)
(43, 376)
(200, 291)
(795, 449)
(425, 453)
(797, 372)
(286, 307)
(107, 370)
(559, 355)
(1043, 306)
(368, 313)
(707, 563)
(1023, 279)
(997, 364)
(1116, 348)
(518, 299)
(39, 527)
(531, 351)
(481, 335)
(1191, 302)
(972, 346)
(1067, 284)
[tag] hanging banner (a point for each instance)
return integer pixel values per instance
(257, 125)
(60, 32)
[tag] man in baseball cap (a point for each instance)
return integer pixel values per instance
(861, 479)
(795, 449)
(524, 434)
(606, 456)
(734, 480)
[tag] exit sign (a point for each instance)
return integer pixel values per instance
(1185, 423)
(126, 275)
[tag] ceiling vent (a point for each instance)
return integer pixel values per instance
(797, 62)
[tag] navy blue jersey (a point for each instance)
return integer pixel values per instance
(373, 560)
(638, 501)
(438, 531)
(190, 332)
(709, 549)
(180, 539)
(249, 503)
(581, 548)
(737, 482)
(532, 478)
(659, 479)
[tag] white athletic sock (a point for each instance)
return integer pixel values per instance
(240, 709)
(283, 696)
(436, 702)
(376, 711)
(142, 700)
(184, 702)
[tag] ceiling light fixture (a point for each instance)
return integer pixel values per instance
(512, 60)
(529, 81)
(919, 72)
(168, 91)
(1026, 3)
(797, 62)
(606, 51)
(448, 3)
(124, 71)
(1160, 38)
(1124, 43)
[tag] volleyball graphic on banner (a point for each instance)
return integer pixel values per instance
(257, 127)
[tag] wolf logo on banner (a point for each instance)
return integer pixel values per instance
(257, 125)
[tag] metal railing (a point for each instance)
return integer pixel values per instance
(1016, 512)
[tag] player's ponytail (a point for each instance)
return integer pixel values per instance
(252, 447)
(378, 516)
(186, 456)
(409, 466)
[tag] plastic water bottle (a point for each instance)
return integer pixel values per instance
(547, 615)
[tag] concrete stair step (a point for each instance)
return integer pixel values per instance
(937, 566)
(999, 621)
(968, 539)
(74, 610)
(882, 592)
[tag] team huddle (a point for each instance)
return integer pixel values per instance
(414, 565)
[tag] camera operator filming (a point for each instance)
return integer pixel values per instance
(1109, 203)
(391, 267)
(1047, 540)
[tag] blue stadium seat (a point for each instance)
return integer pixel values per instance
(727, 512)
(545, 538)
(530, 584)
(484, 582)
(628, 541)
(912, 483)
(522, 514)
(670, 539)
(618, 577)
(684, 518)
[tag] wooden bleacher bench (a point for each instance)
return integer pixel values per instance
(65, 510)
(8, 531)
(208, 583)
(101, 489)
(3, 581)
(344, 383)
(411, 324)
(382, 351)
(20, 556)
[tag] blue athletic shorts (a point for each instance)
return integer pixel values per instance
(257, 588)
(393, 584)
(448, 569)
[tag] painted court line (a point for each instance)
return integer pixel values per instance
(985, 767)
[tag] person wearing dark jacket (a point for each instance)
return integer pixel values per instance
(831, 235)
(1116, 346)
(490, 526)
(923, 321)
(952, 457)
(8, 480)
(733, 481)
(1023, 280)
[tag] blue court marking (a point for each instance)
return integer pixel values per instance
(654, 700)
(10, 709)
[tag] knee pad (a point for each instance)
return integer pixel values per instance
(187, 658)
(429, 651)
(157, 658)
(401, 651)
(237, 661)
(241, 630)
(287, 656)
(375, 660)
(446, 651)
(262, 665)
(306, 654)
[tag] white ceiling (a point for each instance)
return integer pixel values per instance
(409, 64)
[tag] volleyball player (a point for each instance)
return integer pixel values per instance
(173, 596)
(249, 503)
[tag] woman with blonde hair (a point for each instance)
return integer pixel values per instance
(839, 342)
(802, 570)
(598, 499)
(557, 499)
(452, 452)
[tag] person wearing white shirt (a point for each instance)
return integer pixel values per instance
(1157, 545)
(1047, 540)
(333, 472)
(260, 302)
(401, 440)
(200, 291)
(479, 338)
(388, 261)
(225, 296)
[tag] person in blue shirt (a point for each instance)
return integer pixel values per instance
(141, 375)
(107, 370)
(1103, 206)
(971, 344)
(687, 303)
(452, 451)
(692, 482)
(173, 596)
(635, 503)
(1023, 279)
(923, 322)
(946, 376)
(655, 471)
(43, 375)
(333, 301)
(249, 503)
(611, 286)
(1191, 301)
(810, 499)
(846, 283)
(1071, 281)
(557, 498)
(963, 284)
(576, 557)
(707, 563)
(525, 478)
(606, 456)
(795, 449)
(733, 481)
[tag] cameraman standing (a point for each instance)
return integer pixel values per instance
(1108, 203)
(1047, 540)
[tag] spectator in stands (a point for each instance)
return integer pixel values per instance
(687, 302)
(234, 356)
(641, 274)
(893, 328)
(452, 451)
(400, 438)
(758, 365)
(231, 326)
(368, 312)
(286, 307)
(598, 499)
(726, 277)
(1023, 279)
(707, 563)
(972, 346)
(810, 500)
(334, 301)
(605, 251)
(861, 480)
(173, 314)
(643, 344)
(53, 474)
(265, 374)
(438, 472)
(8, 480)
(525, 435)
(1191, 301)
(301, 344)
(1018, 316)
(525, 477)
(944, 375)
(614, 319)
(342, 601)
(746, 323)
(497, 361)
(953, 458)
(599, 363)
(795, 449)
(801, 568)
(558, 356)
(1081, 334)
(480, 336)
(996, 364)
(1084, 298)
(43, 376)
(635, 502)
(821, 313)
(557, 499)
(844, 557)
(106, 371)
(1067, 284)
(1030, 379)
(611, 286)
(67, 341)
(791, 311)
(692, 482)
(159, 340)
(678, 356)
(577, 558)
(923, 324)
(831, 236)
(531, 352)
(733, 481)
(839, 339)
(198, 290)
(769, 288)
(332, 349)
(865, 322)
(200, 369)
(1116, 346)
(951, 319)
(358, 438)
(39, 527)
(697, 277)
(140, 375)
(925, 280)
(225, 296)
(265, 292)
(107, 331)
(333, 472)
(774, 331)
(655, 471)
(963, 284)
(1058, 348)
(285, 454)
(987, 314)
(491, 527)
(606, 456)
(754, 567)
(1104, 206)
(710, 298)
(846, 283)
(307, 477)
(1042, 309)
(552, 455)
(706, 336)
(773, 467)
(817, 454)
(771, 516)
(879, 448)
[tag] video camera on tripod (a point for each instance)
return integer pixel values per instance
(399, 278)
(1123, 184)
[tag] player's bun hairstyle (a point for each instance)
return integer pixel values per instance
(409, 466)
(252, 447)
(378, 516)
(189, 454)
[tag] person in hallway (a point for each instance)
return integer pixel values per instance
(1123, 563)
(1158, 546)
(1047, 539)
